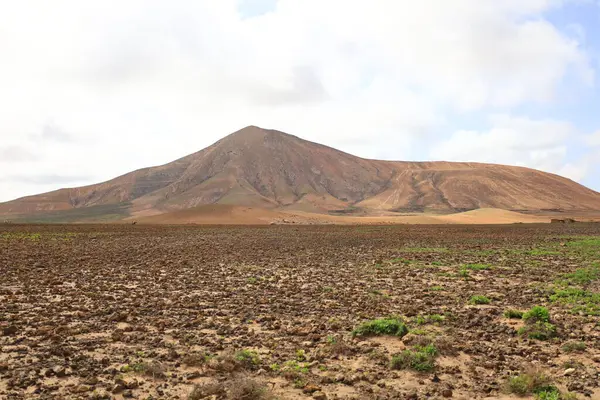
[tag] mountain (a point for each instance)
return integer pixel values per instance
(262, 168)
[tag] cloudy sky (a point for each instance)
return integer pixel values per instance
(93, 89)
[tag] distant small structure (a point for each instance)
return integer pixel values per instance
(562, 221)
(134, 223)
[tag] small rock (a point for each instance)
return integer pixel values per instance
(128, 394)
(575, 387)
(82, 389)
(59, 371)
(569, 371)
(9, 330)
(413, 395)
(319, 396)
(118, 388)
(91, 381)
(193, 375)
(447, 393)
(311, 388)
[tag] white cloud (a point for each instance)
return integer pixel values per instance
(133, 83)
(577, 170)
(593, 139)
(539, 144)
(15, 154)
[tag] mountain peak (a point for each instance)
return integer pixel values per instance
(260, 167)
(254, 135)
(250, 130)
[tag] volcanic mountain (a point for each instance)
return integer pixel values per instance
(269, 169)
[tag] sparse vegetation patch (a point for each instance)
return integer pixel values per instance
(382, 326)
(479, 299)
(420, 358)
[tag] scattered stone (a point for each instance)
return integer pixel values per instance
(319, 396)
(575, 387)
(118, 388)
(9, 330)
(82, 389)
(311, 388)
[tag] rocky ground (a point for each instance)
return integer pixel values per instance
(299, 312)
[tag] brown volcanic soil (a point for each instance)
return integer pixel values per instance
(261, 168)
(118, 311)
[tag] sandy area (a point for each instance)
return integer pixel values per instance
(226, 214)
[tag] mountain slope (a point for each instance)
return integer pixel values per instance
(270, 169)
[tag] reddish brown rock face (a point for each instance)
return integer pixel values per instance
(262, 168)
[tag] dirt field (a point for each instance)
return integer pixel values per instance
(300, 312)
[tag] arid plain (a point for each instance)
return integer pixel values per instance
(300, 312)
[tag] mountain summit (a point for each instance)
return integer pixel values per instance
(263, 168)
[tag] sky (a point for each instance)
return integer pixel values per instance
(90, 90)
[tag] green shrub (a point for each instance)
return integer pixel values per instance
(585, 242)
(513, 314)
(247, 358)
(382, 326)
(428, 319)
(572, 347)
(296, 367)
(551, 392)
(420, 358)
(300, 355)
(570, 295)
(537, 313)
(548, 393)
(436, 318)
(582, 301)
(528, 383)
(583, 276)
(519, 385)
(478, 299)
(538, 331)
(464, 273)
(153, 369)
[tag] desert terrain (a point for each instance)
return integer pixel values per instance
(300, 312)
(233, 215)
